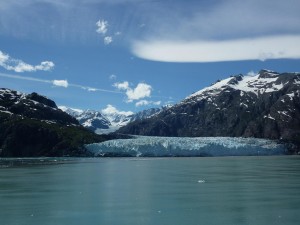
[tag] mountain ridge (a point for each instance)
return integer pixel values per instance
(32, 125)
(266, 105)
(103, 122)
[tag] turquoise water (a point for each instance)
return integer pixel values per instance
(164, 191)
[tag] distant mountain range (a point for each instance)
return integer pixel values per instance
(32, 125)
(103, 122)
(266, 105)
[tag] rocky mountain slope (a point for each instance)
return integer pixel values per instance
(101, 122)
(266, 105)
(32, 125)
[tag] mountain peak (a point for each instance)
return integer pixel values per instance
(267, 74)
(41, 99)
(264, 82)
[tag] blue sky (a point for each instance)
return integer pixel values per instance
(136, 54)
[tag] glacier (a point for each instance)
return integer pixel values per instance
(146, 146)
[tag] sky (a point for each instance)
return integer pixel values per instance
(129, 55)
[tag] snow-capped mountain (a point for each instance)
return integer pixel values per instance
(90, 119)
(97, 121)
(71, 111)
(32, 106)
(93, 120)
(118, 119)
(107, 121)
(266, 105)
(32, 125)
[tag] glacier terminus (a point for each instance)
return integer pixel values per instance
(146, 146)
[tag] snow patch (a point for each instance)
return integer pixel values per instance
(71, 111)
(5, 111)
(214, 89)
(275, 87)
(285, 113)
(297, 81)
(49, 121)
(269, 117)
(246, 84)
(243, 104)
(291, 95)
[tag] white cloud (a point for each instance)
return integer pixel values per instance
(122, 86)
(102, 26)
(113, 110)
(19, 66)
(113, 77)
(263, 48)
(107, 40)
(251, 73)
(46, 65)
(3, 57)
(146, 102)
(61, 83)
(142, 90)
(109, 110)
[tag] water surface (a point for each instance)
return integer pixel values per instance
(133, 191)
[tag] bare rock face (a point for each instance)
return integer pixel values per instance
(266, 105)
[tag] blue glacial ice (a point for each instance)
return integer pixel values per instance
(142, 146)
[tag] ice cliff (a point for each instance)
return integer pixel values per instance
(143, 146)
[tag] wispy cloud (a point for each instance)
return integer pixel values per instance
(19, 66)
(59, 83)
(263, 48)
(142, 90)
(25, 78)
(163, 19)
(251, 73)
